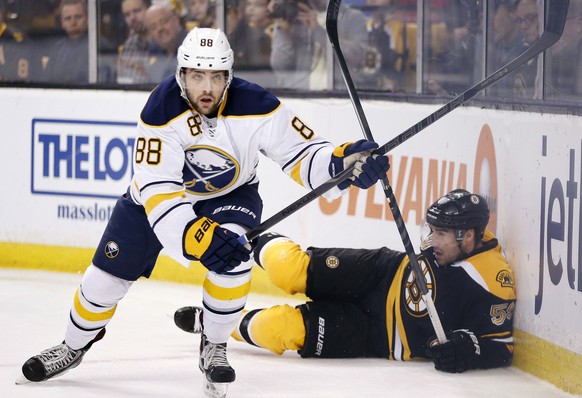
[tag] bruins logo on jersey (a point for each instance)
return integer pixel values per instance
(413, 301)
(208, 170)
(505, 278)
(332, 262)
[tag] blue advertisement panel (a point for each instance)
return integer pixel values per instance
(81, 157)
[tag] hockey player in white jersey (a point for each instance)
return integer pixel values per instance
(193, 193)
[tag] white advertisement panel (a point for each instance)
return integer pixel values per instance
(69, 158)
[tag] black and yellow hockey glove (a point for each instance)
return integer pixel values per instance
(460, 353)
(217, 248)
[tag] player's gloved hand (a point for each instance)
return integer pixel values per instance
(217, 248)
(368, 168)
(460, 353)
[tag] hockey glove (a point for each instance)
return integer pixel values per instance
(460, 353)
(217, 248)
(368, 169)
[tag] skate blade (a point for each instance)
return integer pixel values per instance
(215, 390)
(22, 380)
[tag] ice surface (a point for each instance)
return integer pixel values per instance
(144, 355)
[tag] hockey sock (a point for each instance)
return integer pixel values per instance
(224, 297)
(286, 264)
(94, 304)
(277, 329)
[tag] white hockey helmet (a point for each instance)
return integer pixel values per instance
(206, 49)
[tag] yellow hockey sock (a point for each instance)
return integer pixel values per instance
(277, 329)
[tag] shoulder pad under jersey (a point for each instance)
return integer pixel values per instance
(490, 270)
(248, 99)
(164, 104)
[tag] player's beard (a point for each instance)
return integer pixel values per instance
(209, 109)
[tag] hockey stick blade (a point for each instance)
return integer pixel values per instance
(552, 32)
(22, 380)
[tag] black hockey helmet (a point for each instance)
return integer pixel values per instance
(460, 210)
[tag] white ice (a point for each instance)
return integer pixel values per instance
(144, 355)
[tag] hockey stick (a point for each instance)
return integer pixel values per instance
(552, 31)
(553, 28)
(332, 32)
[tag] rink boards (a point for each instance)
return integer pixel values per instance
(67, 156)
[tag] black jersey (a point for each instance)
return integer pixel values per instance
(366, 302)
(15, 55)
(476, 293)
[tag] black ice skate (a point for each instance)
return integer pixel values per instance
(217, 371)
(189, 319)
(55, 361)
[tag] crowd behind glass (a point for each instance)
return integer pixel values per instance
(283, 43)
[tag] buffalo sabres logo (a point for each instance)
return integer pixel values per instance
(412, 296)
(111, 249)
(208, 170)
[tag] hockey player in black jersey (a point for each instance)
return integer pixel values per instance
(365, 303)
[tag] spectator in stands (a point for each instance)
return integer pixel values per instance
(68, 56)
(252, 48)
(132, 62)
(564, 78)
(111, 24)
(387, 52)
(166, 33)
(15, 54)
(524, 79)
(200, 13)
(505, 33)
(298, 54)
(31, 16)
(455, 63)
(507, 42)
(252, 40)
(234, 17)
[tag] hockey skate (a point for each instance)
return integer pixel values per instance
(218, 374)
(54, 362)
(189, 319)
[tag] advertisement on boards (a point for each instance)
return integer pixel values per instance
(70, 158)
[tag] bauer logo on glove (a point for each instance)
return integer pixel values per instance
(217, 248)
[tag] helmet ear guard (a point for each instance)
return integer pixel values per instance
(460, 210)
